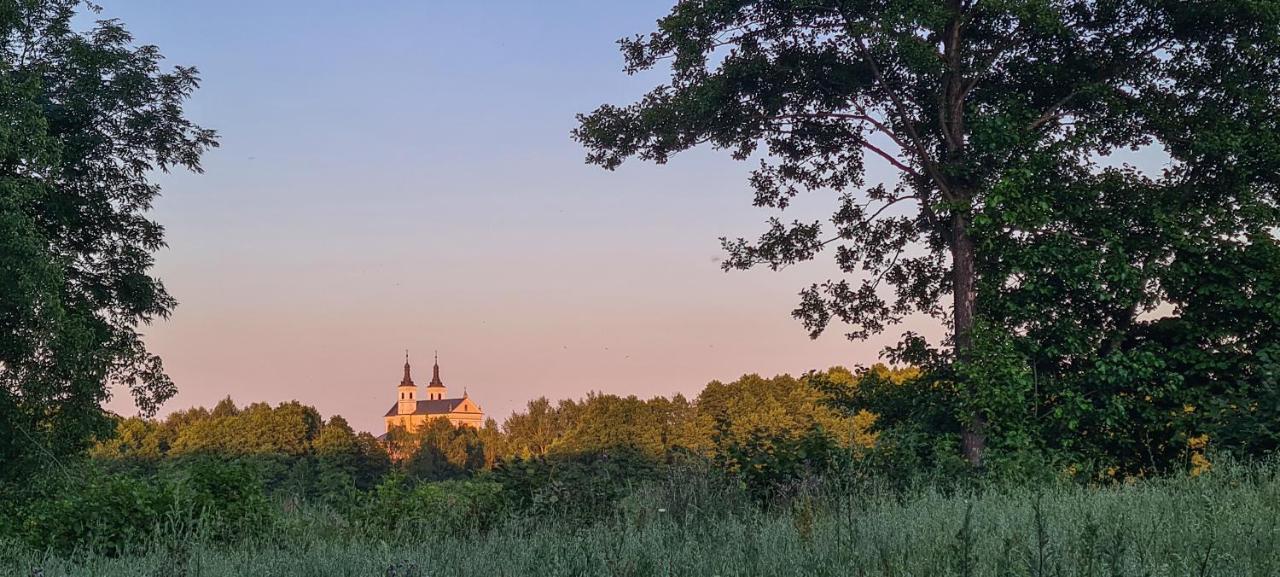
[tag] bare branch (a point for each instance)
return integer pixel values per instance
(996, 52)
(917, 143)
(864, 143)
(862, 116)
(891, 202)
(894, 161)
(1054, 111)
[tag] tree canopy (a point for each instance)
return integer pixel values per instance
(1088, 301)
(88, 117)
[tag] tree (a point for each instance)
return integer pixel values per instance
(135, 439)
(359, 456)
(495, 446)
(779, 408)
(336, 442)
(532, 433)
(225, 408)
(87, 118)
(290, 428)
(907, 420)
(443, 451)
(994, 116)
(372, 462)
(608, 422)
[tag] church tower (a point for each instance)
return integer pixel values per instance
(411, 413)
(408, 402)
(436, 389)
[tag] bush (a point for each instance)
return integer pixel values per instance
(115, 513)
(225, 498)
(293, 479)
(771, 466)
(440, 508)
(110, 515)
(579, 486)
(691, 490)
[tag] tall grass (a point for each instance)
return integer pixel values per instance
(1225, 523)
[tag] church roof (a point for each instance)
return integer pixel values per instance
(432, 407)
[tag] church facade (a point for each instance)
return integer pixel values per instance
(411, 411)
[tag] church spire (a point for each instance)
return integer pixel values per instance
(435, 373)
(407, 381)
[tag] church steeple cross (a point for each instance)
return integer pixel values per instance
(407, 380)
(435, 373)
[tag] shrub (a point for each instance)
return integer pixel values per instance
(225, 498)
(689, 490)
(110, 514)
(115, 513)
(440, 508)
(578, 486)
(770, 466)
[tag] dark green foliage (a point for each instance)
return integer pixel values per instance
(917, 433)
(289, 447)
(801, 483)
(755, 444)
(688, 523)
(1152, 322)
(444, 451)
(580, 486)
(227, 497)
(1100, 315)
(117, 513)
(771, 466)
(305, 478)
(448, 508)
(361, 457)
(85, 120)
(110, 514)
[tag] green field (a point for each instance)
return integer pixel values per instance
(1223, 523)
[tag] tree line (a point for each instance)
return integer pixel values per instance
(889, 422)
(779, 409)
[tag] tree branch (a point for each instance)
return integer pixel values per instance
(918, 144)
(891, 159)
(870, 219)
(862, 116)
(864, 143)
(1054, 111)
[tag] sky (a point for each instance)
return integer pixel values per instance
(399, 175)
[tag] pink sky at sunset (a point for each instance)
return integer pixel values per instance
(415, 187)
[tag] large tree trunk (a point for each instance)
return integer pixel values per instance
(973, 439)
(963, 276)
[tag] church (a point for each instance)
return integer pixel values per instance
(411, 412)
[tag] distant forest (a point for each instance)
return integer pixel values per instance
(300, 447)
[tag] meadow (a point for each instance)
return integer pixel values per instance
(685, 523)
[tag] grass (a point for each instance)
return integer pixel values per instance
(1226, 523)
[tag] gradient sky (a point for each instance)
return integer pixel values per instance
(400, 175)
